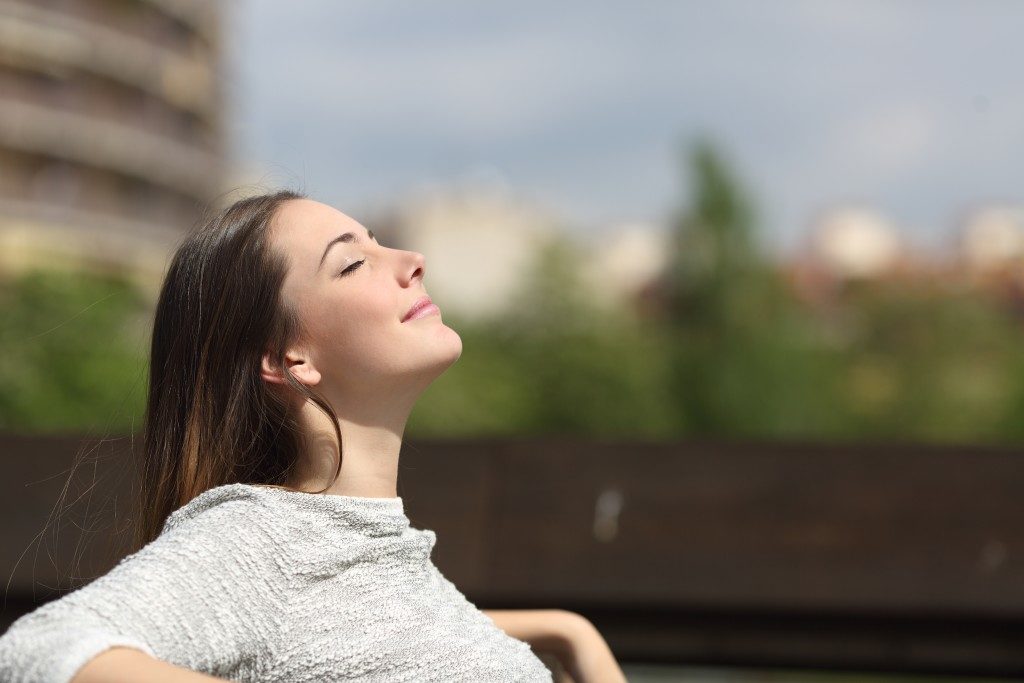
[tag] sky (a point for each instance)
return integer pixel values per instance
(586, 108)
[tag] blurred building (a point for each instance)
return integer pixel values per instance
(479, 241)
(111, 131)
(991, 252)
(847, 243)
(992, 238)
(623, 262)
(855, 242)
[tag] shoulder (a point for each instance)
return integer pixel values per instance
(228, 536)
(227, 525)
(227, 504)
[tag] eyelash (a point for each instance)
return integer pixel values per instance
(354, 266)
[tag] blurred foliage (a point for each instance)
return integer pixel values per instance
(74, 352)
(734, 352)
(552, 363)
(730, 352)
(745, 359)
(930, 363)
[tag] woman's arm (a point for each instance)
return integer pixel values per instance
(202, 596)
(127, 665)
(568, 636)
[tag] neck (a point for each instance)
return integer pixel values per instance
(369, 451)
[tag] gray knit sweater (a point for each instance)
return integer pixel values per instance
(249, 583)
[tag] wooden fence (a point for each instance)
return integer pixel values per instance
(893, 558)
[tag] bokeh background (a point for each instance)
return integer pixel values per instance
(798, 220)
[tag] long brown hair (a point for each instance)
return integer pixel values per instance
(210, 418)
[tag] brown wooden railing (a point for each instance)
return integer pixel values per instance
(883, 557)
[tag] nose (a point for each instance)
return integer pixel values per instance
(414, 268)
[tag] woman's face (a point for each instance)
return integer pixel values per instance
(352, 295)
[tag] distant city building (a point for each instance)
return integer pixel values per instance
(623, 261)
(479, 242)
(855, 242)
(111, 131)
(993, 237)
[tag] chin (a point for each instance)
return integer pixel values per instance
(440, 354)
(440, 362)
(455, 347)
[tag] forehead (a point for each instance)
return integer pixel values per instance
(309, 222)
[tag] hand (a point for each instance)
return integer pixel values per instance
(588, 658)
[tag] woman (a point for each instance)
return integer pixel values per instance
(289, 347)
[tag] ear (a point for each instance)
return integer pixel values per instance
(298, 365)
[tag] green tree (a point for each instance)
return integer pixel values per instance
(746, 359)
(553, 362)
(74, 352)
(928, 363)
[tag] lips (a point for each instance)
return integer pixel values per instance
(422, 302)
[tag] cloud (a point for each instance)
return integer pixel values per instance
(585, 105)
(887, 137)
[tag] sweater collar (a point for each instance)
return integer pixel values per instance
(367, 516)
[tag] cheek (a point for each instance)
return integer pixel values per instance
(354, 335)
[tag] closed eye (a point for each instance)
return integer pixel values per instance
(351, 268)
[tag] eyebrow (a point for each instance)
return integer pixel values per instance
(347, 237)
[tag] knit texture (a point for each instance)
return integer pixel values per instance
(249, 583)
